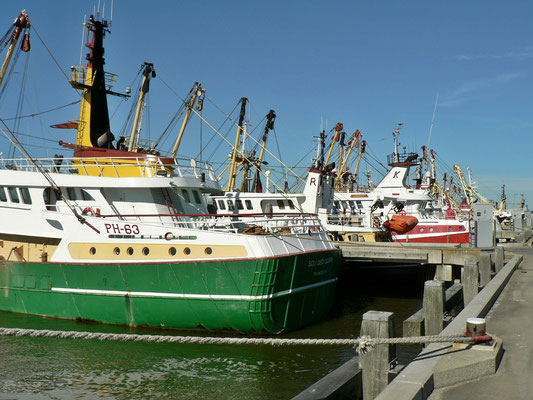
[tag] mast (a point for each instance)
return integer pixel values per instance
(93, 127)
(256, 185)
(361, 152)
(503, 200)
(145, 87)
(341, 153)
(20, 23)
(338, 128)
(197, 93)
(233, 170)
(395, 134)
(245, 161)
(354, 142)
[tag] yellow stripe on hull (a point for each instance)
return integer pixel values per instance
(136, 251)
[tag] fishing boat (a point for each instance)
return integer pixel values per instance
(268, 208)
(402, 202)
(141, 249)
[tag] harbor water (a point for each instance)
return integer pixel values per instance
(42, 368)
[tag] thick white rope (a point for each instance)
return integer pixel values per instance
(362, 344)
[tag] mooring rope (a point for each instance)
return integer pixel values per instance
(363, 344)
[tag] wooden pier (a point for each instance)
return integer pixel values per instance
(409, 253)
(467, 283)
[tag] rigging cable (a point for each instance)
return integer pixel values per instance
(42, 112)
(20, 102)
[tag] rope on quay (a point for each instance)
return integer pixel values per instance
(362, 344)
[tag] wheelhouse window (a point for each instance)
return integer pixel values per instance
(248, 204)
(239, 204)
(291, 205)
(25, 193)
(13, 194)
(186, 196)
(85, 195)
(231, 207)
(3, 196)
(71, 192)
(196, 196)
(281, 205)
(221, 205)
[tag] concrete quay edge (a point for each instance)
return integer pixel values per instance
(416, 381)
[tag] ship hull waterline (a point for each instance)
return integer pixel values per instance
(259, 295)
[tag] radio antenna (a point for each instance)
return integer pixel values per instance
(111, 22)
(433, 119)
(82, 36)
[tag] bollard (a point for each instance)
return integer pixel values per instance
(470, 281)
(476, 327)
(499, 259)
(485, 267)
(376, 363)
(434, 307)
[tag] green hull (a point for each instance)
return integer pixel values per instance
(263, 295)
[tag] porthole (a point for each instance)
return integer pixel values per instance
(92, 251)
(421, 229)
(172, 251)
(146, 251)
(208, 250)
(461, 228)
(186, 251)
(431, 229)
(130, 251)
(450, 228)
(116, 250)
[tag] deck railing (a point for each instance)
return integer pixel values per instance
(148, 166)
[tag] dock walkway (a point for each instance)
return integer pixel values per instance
(511, 319)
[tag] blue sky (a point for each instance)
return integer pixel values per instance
(366, 64)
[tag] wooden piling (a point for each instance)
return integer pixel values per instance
(376, 363)
(434, 306)
(485, 268)
(470, 281)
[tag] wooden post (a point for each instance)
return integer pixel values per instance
(434, 302)
(470, 281)
(376, 363)
(485, 268)
(499, 259)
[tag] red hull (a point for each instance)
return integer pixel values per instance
(427, 232)
(459, 238)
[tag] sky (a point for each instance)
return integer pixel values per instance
(367, 64)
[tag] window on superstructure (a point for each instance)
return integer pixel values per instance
(185, 195)
(85, 195)
(3, 196)
(71, 192)
(230, 205)
(196, 196)
(239, 204)
(291, 205)
(25, 193)
(221, 205)
(13, 194)
(281, 205)
(50, 199)
(359, 204)
(248, 204)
